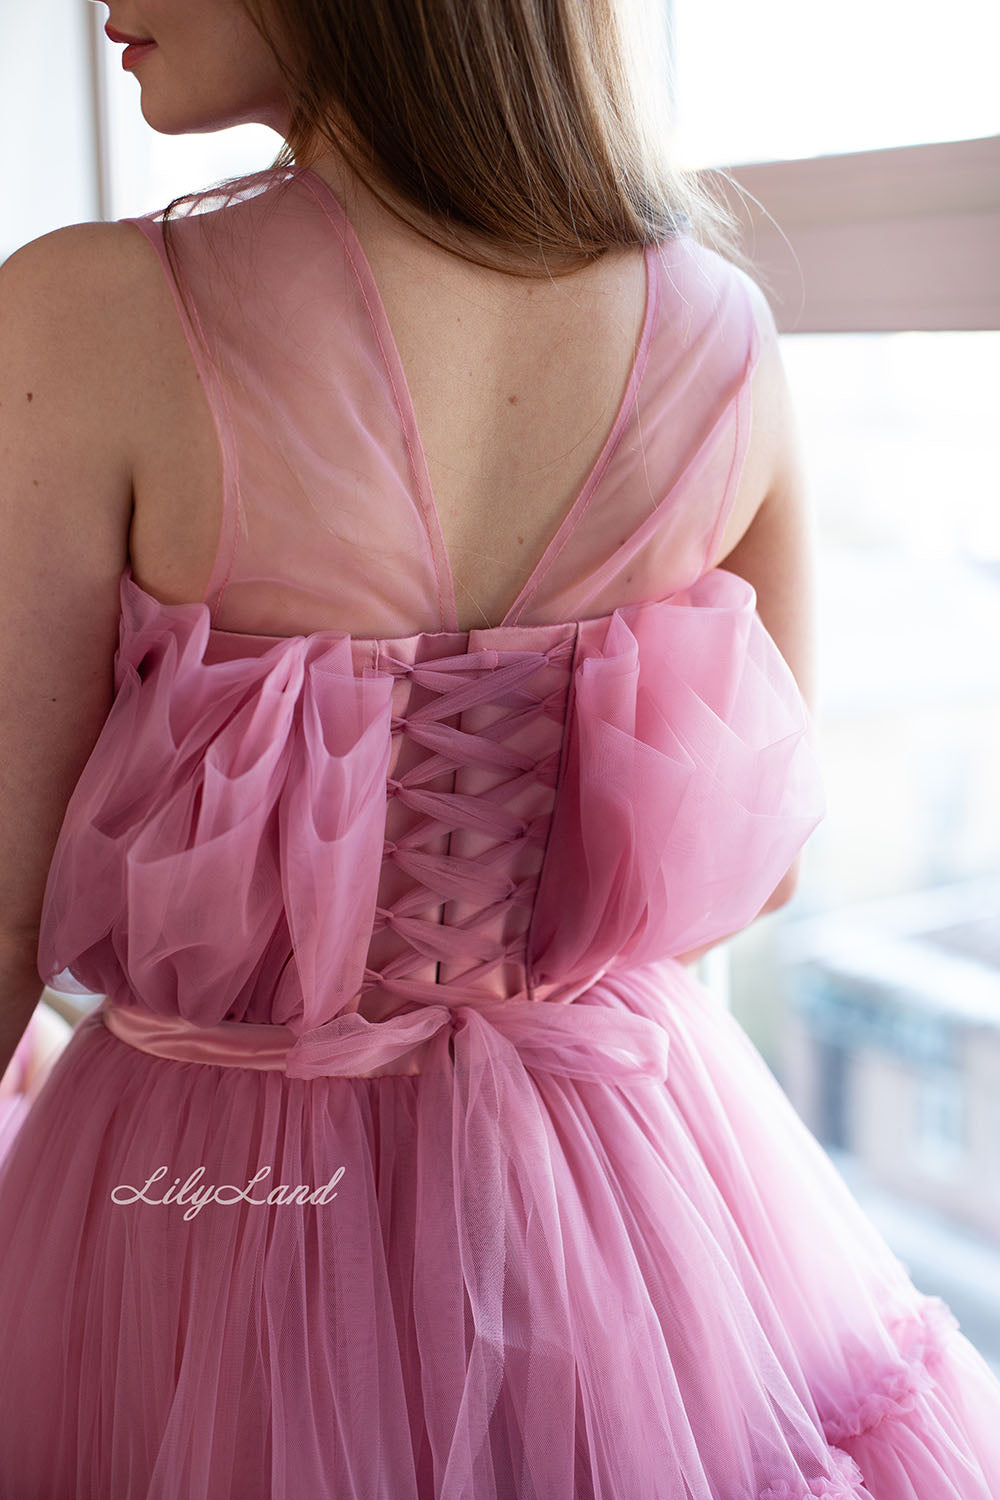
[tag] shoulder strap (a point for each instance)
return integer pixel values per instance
(665, 496)
(320, 529)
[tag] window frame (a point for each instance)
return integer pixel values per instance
(906, 238)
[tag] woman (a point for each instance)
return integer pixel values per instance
(424, 636)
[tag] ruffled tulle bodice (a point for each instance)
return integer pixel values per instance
(441, 820)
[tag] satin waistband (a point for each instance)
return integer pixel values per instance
(579, 1040)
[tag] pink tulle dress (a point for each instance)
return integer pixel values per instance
(403, 1160)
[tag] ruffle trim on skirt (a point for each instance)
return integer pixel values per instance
(896, 1387)
(846, 1484)
(905, 1434)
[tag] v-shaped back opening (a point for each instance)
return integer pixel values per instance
(424, 492)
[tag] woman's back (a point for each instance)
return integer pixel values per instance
(514, 383)
(325, 522)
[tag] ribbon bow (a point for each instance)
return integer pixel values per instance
(577, 1040)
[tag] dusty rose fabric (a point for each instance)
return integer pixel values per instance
(388, 913)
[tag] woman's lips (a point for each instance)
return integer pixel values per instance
(135, 52)
(121, 36)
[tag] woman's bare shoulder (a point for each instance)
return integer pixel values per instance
(99, 288)
(91, 283)
(71, 292)
(96, 257)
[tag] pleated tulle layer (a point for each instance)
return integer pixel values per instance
(526, 1285)
(689, 782)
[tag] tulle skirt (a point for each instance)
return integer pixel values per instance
(511, 1284)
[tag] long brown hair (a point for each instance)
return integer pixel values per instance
(514, 133)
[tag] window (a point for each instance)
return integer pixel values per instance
(780, 79)
(939, 1132)
(868, 192)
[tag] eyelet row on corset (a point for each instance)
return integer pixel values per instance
(527, 830)
(474, 661)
